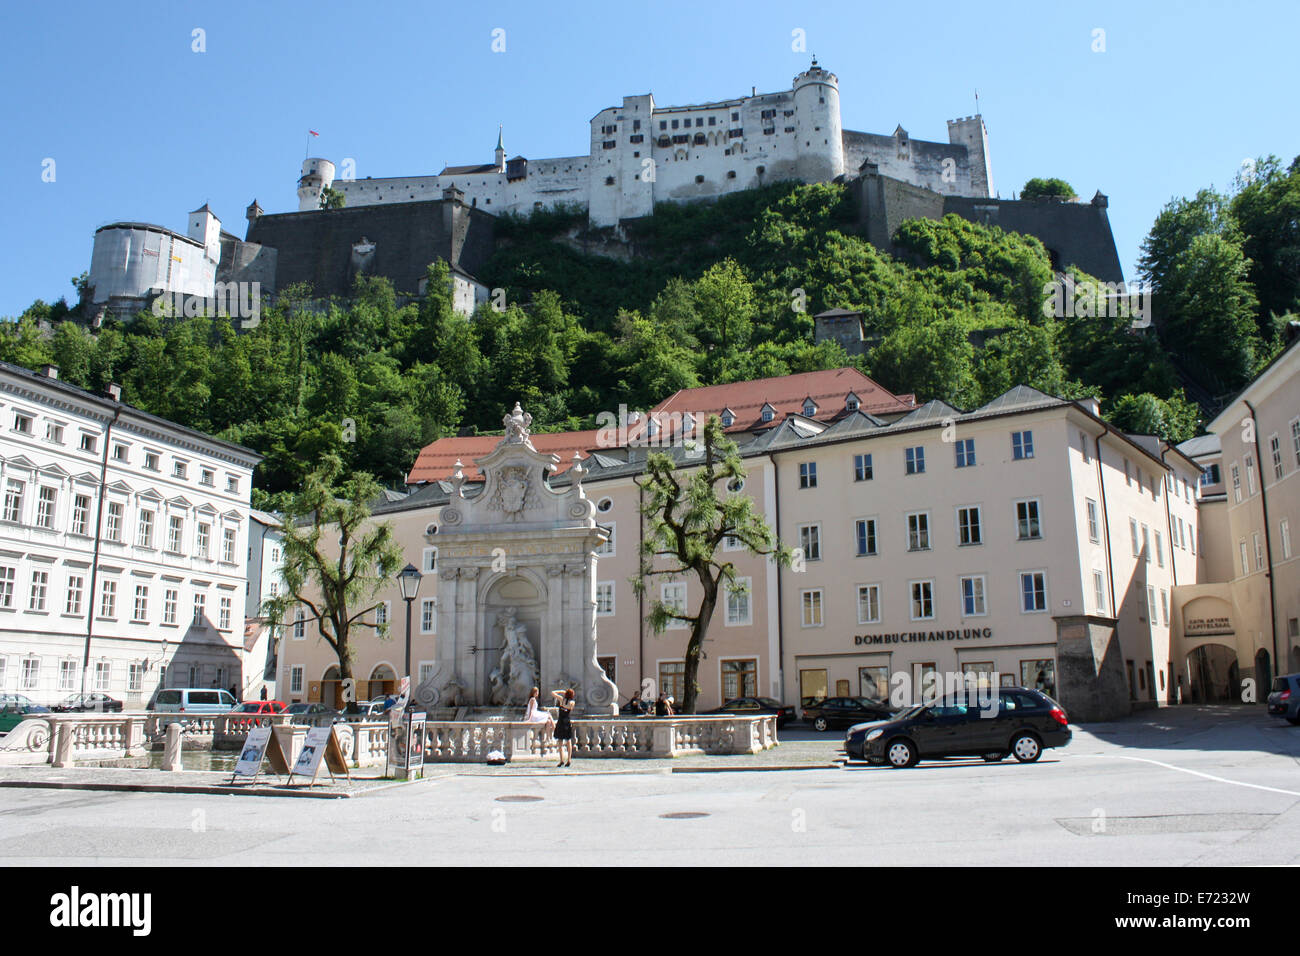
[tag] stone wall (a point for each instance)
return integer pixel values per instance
(1090, 680)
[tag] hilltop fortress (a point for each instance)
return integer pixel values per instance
(639, 154)
(642, 153)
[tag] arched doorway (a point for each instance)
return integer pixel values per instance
(331, 687)
(383, 681)
(1263, 674)
(1214, 674)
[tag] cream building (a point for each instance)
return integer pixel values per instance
(1240, 620)
(122, 546)
(1026, 538)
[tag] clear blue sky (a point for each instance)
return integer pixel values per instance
(142, 128)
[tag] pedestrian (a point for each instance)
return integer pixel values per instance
(564, 729)
(263, 692)
(234, 691)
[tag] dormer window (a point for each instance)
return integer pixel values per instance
(768, 413)
(728, 418)
(809, 408)
(851, 403)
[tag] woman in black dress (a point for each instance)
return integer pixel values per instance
(564, 729)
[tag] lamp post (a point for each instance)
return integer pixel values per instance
(408, 580)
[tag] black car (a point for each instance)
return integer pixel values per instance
(846, 711)
(1018, 721)
(756, 705)
(88, 703)
(313, 715)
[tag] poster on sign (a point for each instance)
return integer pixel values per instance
(320, 744)
(250, 759)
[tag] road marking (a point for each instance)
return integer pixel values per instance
(1196, 773)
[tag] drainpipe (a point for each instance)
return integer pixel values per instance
(640, 598)
(780, 618)
(1105, 524)
(1268, 542)
(1169, 524)
(116, 395)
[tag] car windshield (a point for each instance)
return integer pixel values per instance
(298, 708)
(909, 711)
(769, 702)
(248, 708)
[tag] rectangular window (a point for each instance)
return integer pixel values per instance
(673, 596)
(1146, 542)
(1259, 551)
(812, 607)
(1285, 530)
(808, 474)
(869, 604)
(175, 532)
(200, 608)
(40, 585)
(14, 500)
(46, 500)
(866, 536)
(206, 477)
(171, 597)
(381, 614)
(1275, 448)
(1128, 477)
(969, 530)
(1236, 482)
(738, 602)
(915, 460)
(1133, 533)
(31, 673)
(1022, 445)
(113, 523)
(76, 586)
(607, 549)
(965, 452)
(429, 615)
(922, 600)
(295, 679)
(7, 576)
(201, 539)
(1164, 607)
(1295, 441)
(1028, 526)
(739, 679)
(1245, 563)
(299, 625)
(918, 531)
(604, 598)
(1160, 550)
(108, 599)
(151, 460)
(224, 608)
(1033, 591)
(178, 469)
(672, 679)
(862, 468)
(144, 537)
(135, 678)
(80, 514)
(1250, 473)
(22, 423)
(67, 675)
(54, 433)
(1099, 592)
(810, 540)
(1094, 533)
(430, 563)
(1151, 604)
(972, 596)
(140, 612)
(228, 545)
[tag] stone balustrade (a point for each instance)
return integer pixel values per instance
(365, 743)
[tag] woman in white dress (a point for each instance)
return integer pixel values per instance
(534, 714)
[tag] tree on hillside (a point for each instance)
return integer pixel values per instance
(336, 560)
(1267, 208)
(1053, 188)
(1174, 419)
(687, 519)
(331, 198)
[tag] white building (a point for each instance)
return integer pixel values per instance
(122, 546)
(265, 581)
(641, 153)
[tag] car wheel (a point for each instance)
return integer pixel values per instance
(1026, 747)
(820, 724)
(994, 757)
(901, 753)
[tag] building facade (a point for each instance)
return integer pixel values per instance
(1026, 538)
(123, 542)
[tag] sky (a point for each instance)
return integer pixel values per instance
(108, 112)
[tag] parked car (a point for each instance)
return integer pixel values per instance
(193, 700)
(846, 711)
(756, 705)
(15, 708)
(88, 703)
(1284, 700)
(1019, 722)
(365, 710)
(260, 707)
(313, 715)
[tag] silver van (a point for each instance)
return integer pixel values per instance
(193, 700)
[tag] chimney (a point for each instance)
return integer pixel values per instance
(50, 371)
(113, 391)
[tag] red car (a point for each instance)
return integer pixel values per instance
(245, 714)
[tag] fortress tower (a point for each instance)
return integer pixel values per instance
(205, 228)
(317, 176)
(819, 134)
(969, 131)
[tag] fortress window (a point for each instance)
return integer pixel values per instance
(733, 133)
(735, 117)
(700, 140)
(699, 179)
(769, 130)
(789, 129)
(664, 141)
(699, 121)
(713, 121)
(731, 174)
(788, 113)
(821, 99)
(608, 144)
(663, 124)
(609, 180)
(681, 138)
(636, 125)
(674, 124)
(636, 155)
(636, 139)
(762, 170)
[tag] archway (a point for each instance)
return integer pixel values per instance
(1214, 674)
(520, 594)
(331, 687)
(383, 680)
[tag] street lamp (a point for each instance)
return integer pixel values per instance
(408, 581)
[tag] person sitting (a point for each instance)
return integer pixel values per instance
(535, 714)
(636, 707)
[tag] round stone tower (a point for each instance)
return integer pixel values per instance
(819, 141)
(317, 176)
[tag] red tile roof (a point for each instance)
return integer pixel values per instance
(785, 393)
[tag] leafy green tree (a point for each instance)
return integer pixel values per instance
(934, 360)
(1211, 308)
(1174, 419)
(336, 559)
(687, 518)
(1266, 206)
(331, 198)
(1038, 188)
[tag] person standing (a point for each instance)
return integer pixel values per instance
(563, 727)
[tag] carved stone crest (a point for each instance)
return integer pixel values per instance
(517, 424)
(512, 492)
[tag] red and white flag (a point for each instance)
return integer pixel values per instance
(313, 132)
